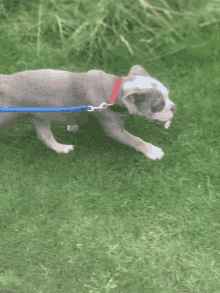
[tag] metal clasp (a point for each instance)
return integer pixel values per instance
(102, 106)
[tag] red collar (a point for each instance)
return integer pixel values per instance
(115, 90)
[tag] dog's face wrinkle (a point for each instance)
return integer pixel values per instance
(144, 104)
(158, 105)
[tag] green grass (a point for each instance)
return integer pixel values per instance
(104, 218)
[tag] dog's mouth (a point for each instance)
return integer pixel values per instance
(164, 124)
(167, 124)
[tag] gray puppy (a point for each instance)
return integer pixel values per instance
(139, 94)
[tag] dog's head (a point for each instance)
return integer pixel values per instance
(145, 96)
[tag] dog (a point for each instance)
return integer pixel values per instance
(139, 94)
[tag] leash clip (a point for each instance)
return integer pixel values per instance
(102, 106)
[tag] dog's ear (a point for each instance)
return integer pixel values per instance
(138, 70)
(131, 100)
(133, 87)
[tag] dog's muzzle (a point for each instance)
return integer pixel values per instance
(163, 124)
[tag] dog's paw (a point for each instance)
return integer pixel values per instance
(72, 128)
(155, 153)
(62, 148)
(67, 149)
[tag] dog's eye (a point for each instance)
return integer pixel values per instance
(158, 107)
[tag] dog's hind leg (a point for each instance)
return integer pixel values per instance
(46, 136)
(7, 121)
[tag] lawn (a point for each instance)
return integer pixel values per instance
(104, 218)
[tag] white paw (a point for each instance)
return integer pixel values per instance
(155, 153)
(72, 128)
(62, 148)
(67, 149)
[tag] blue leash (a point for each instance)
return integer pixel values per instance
(68, 109)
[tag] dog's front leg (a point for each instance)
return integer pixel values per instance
(115, 129)
(140, 145)
(46, 136)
